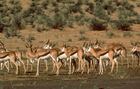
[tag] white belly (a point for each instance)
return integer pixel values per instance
(45, 57)
(104, 56)
(62, 56)
(6, 58)
(74, 56)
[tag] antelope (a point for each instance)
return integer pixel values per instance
(119, 49)
(72, 52)
(103, 54)
(18, 55)
(43, 54)
(135, 52)
(47, 45)
(10, 56)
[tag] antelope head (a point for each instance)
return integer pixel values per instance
(64, 47)
(134, 44)
(47, 44)
(2, 44)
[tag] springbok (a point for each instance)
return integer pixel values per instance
(18, 55)
(119, 49)
(4, 56)
(135, 52)
(103, 54)
(73, 52)
(44, 54)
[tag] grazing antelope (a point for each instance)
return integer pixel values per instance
(103, 54)
(44, 54)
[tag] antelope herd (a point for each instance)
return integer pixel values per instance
(90, 55)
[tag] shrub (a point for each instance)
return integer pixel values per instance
(82, 32)
(74, 9)
(96, 24)
(110, 34)
(90, 8)
(57, 22)
(127, 34)
(30, 38)
(100, 12)
(138, 34)
(69, 40)
(124, 25)
(138, 4)
(40, 29)
(83, 38)
(44, 4)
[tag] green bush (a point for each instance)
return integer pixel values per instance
(96, 24)
(81, 32)
(127, 34)
(69, 40)
(90, 8)
(83, 38)
(57, 22)
(138, 34)
(138, 4)
(30, 38)
(124, 25)
(110, 34)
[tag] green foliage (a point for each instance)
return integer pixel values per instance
(127, 34)
(123, 24)
(69, 40)
(110, 34)
(83, 38)
(96, 24)
(90, 8)
(57, 14)
(30, 38)
(82, 32)
(138, 4)
(57, 22)
(100, 12)
(138, 34)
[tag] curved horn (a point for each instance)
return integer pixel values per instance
(96, 42)
(64, 44)
(2, 43)
(84, 44)
(48, 41)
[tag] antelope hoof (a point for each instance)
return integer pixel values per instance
(37, 75)
(77, 70)
(17, 73)
(82, 72)
(69, 73)
(88, 72)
